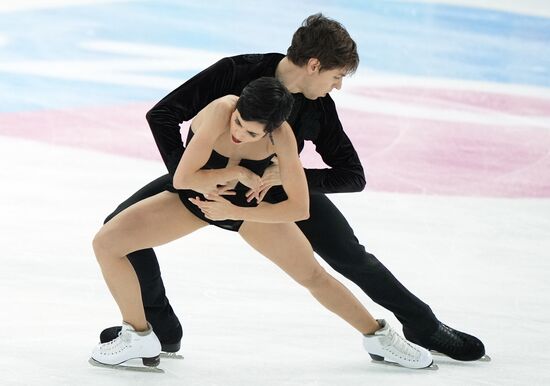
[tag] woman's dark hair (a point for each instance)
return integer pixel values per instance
(265, 100)
(326, 40)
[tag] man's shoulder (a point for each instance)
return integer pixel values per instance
(248, 67)
(266, 62)
(257, 59)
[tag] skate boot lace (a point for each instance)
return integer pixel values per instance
(401, 345)
(117, 345)
(125, 337)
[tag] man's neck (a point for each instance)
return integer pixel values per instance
(291, 75)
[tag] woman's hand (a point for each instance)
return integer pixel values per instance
(251, 180)
(271, 177)
(206, 187)
(216, 207)
(227, 189)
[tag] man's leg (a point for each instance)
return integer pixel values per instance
(333, 240)
(158, 310)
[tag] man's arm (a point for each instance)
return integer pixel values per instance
(184, 103)
(345, 172)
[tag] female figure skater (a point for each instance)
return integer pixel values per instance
(231, 142)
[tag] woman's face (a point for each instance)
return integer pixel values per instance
(242, 131)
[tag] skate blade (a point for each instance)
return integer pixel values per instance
(171, 355)
(484, 358)
(143, 369)
(432, 366)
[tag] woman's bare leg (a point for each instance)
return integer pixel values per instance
(285, 245)
(151, 222)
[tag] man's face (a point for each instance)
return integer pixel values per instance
(321, 82)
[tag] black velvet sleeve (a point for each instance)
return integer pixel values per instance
(184, 103)
(345, 172)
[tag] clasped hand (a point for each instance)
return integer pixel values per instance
(270, 178)
(215, 207)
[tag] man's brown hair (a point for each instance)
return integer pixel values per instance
(326, 40)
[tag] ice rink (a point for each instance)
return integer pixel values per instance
(449, 111)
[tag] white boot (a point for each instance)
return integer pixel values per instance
(386, 345)
(129, 344)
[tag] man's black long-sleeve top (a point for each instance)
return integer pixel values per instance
(314, 120)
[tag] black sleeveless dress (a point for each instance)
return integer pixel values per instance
(218, 161)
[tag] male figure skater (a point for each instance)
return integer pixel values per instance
(320, 55)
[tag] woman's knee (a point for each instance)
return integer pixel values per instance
(103, 244)
(113, 214)
(314, 278)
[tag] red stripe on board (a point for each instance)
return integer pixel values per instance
(120, 130)
(424, 156)
(460, 99)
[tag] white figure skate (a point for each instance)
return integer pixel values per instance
(388, 347)
(130, 344)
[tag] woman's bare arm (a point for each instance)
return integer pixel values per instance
(208, 125)
(294, 182)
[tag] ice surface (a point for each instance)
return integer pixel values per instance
(476, 252)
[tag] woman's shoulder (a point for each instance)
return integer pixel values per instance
(226, 102)
(219, 107)
(215, 115)
(283, 138)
